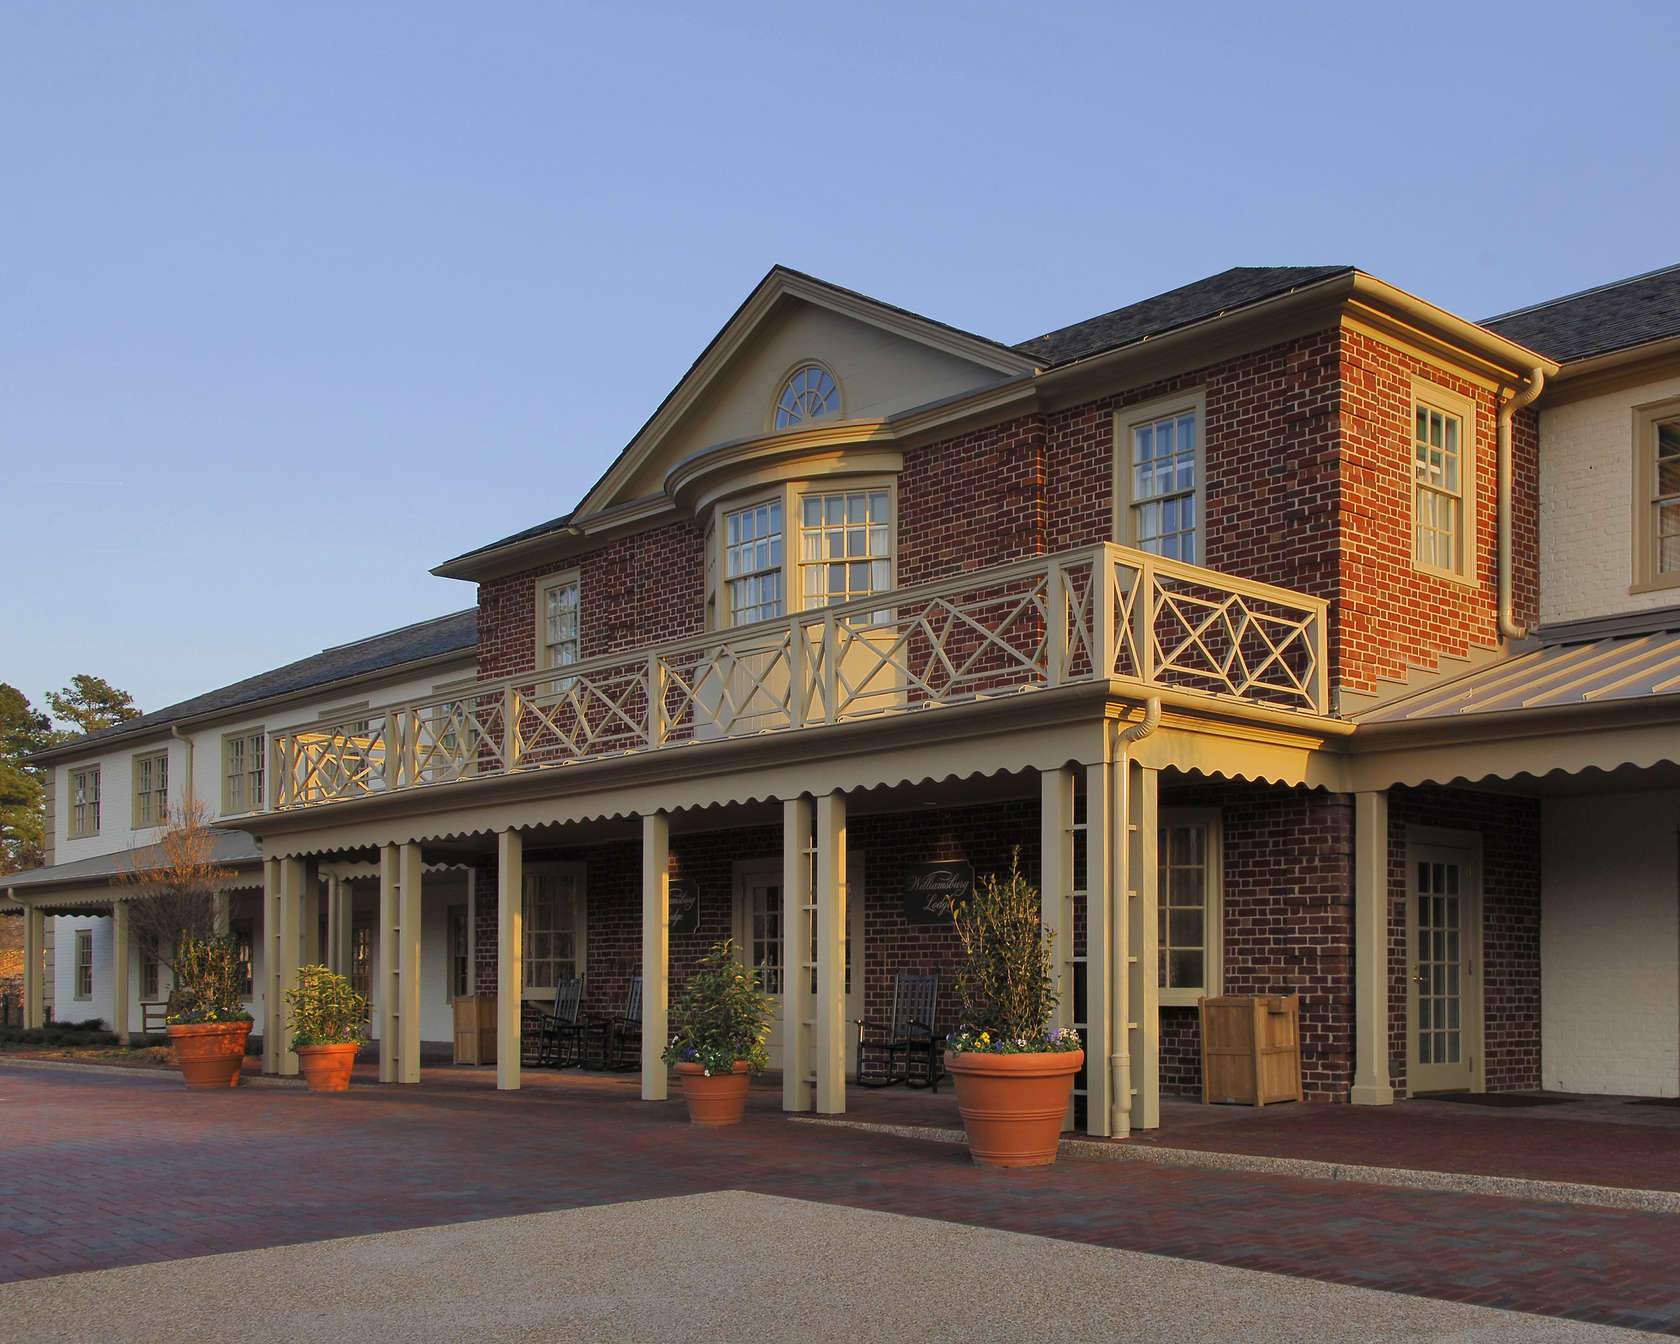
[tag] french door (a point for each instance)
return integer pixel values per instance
(1443, 969)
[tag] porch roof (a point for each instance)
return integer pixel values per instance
(1583, 671)
(39, 885)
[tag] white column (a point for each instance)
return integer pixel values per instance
(829, 1025)
(1371, 1085)
(309, 917)
(338, 923)
(409, 881)
(510, 954)
(221, 914)
(283, 960)
(1099, 879)
(1120, 957)
(798, 1004)
(120, 938)
(1055, 891)
(656, 953)
(386, 992)
(1143, 795)
(34, 955)
(271, 1009)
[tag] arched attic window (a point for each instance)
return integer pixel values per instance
(810, 394)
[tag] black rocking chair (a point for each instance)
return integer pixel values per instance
(906, 1051)
(621, 1035)
(560, 1038)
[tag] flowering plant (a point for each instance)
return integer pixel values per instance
(209, 982)
(1005, 987)
(723, 1015)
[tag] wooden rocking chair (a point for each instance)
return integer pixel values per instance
(620, 1034)
(906, 1050)
(560, 1038)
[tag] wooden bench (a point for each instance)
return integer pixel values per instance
(153, 1014)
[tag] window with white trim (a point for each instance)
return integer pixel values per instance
(84, 801)
(1158, 476)
(553, 927)
(559, 626)
(1656, 502)
(845, 546)
(753, 562)
(151, 789)
(1190, 903)
(459, 958)
(810, 394)
(242, 772)
(84, 964)
(150, 965)
(1438, 463)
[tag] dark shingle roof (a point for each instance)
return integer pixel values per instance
(427, 639)
(1596, 321)
(1235, 288)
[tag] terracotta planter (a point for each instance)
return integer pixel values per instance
(326, 1068)
(718, 1100)
(209, 1053)
(1013, 1105)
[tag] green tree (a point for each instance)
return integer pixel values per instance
(91, 703)
(23, 730)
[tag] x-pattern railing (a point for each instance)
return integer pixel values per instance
(1102, 612)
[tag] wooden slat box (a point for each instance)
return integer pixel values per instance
(475, 1029)
(1251, 1049)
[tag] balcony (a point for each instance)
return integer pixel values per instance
(1099, 613)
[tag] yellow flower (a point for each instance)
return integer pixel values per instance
(985, 1038)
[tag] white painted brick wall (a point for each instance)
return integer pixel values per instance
(1610, 944)
(1586, 506)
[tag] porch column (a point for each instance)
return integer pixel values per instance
(1143, 895)
(399, 963)
(34, 956)
(283, 934)
(221, 914)
(1099, 950)
(338, 924)
(1371, 1086)
(120, 938)
(309, 918)
(798, 909)
(510, 954)
(1055, 890)
(828, 1028)
(656, 953)
(270, 921)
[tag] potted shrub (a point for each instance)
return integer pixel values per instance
(723, 1018)
(328, 1026)
(206, 1020)
(1014, 1073)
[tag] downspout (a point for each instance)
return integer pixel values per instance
(187, 792)
(1508, 626)
(1119, 926)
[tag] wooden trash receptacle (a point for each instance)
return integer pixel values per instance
(1251, 1049)
(475, 1029)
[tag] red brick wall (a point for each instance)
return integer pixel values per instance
(1510, 831)
(1288, 923)
(973, 501)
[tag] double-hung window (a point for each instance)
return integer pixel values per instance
(242, 773)
(84, 801)
(559, 627)
(151, 789)
(1158, 476)
(1443, 473)
(753, 563)
(845, 546)
(1189, 899)
(84, 964)
(1656, 496)
(553, 927)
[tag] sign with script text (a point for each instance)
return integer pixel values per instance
(928, 887)
(685, 905)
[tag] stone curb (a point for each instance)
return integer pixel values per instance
(136, 1071)
(1500, 1187)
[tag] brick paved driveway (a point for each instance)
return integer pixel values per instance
(104, 1169)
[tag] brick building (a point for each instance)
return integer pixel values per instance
(1212, 609)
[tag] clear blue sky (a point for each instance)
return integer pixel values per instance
(298, 300)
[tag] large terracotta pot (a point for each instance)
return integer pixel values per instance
(718, 1100)
(1013, 1105)
(326, 1068)
(209, 1053)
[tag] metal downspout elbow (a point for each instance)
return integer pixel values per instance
(1508, 626)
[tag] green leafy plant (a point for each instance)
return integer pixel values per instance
(723, 1015)
(209, 982)
(1005, 986)
(326, 1010)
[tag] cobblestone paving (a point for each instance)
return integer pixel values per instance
(103, 1170)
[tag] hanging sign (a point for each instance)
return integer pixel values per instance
(685, 906)
(929, 886)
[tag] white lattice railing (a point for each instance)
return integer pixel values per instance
(1102, 612)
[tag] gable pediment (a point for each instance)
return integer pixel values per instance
(885, 361)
